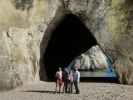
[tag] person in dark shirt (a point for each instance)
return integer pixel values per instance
(65, 79)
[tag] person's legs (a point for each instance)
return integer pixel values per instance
(56, 85)
(76, 86)
(60, 85)
(65, 86)
(71, 87)
(59, 88)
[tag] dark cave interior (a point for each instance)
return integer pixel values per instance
(69, 39)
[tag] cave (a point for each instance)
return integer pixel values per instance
(69, 39)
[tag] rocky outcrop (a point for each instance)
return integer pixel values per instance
(22, 28)
(94, 58)
(111, 24)
(25, 31)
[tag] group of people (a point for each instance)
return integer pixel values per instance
(65, 79)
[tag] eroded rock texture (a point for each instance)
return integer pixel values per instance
(25, 31)
(111, 22)
(22, 26)
(94, 58)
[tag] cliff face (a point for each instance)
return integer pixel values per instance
(25, 30)
(111, 22)
(22, 26)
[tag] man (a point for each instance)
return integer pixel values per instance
(65, 79)
(76, 79)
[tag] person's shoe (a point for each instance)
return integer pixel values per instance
(78, 92)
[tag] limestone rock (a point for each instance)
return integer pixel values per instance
(95, 58)
(22, 27)
(110, 21)
(98, 57)
(85, 62)
(25, 25)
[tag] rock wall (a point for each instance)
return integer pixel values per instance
(111, 22)
(93, 58)
(25, 31)
(22, 26)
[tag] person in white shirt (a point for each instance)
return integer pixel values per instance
(76, 80)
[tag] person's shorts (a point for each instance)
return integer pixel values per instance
(60, 82)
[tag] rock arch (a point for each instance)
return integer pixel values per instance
(65, 38)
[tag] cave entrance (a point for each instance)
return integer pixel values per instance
(69, 39)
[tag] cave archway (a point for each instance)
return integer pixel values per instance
(69, 39)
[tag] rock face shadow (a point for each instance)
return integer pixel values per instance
(41, 91)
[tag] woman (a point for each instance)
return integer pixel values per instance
(59, 80)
